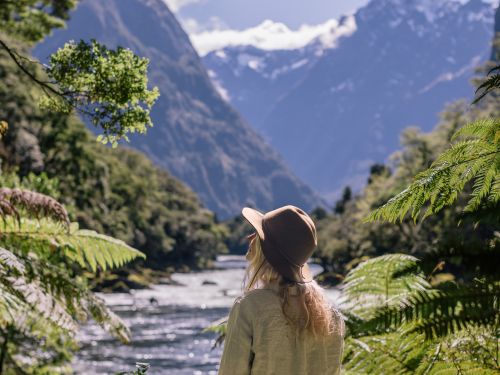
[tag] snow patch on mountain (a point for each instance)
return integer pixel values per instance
(270, 35)
(218, 86)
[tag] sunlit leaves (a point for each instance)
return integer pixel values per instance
(475, 156)
(381, 282)
(86, 247)
(110, 87)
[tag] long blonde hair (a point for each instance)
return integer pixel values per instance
(315, 313)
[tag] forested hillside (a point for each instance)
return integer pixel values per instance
(116, 191)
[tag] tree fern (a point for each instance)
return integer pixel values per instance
(381, 281)
(35, 285)
(441, 312)
(86, 247)
(41, 290)
(475, 158)
(411, 328)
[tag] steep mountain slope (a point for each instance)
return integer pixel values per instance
(404, 61)
(197, 136)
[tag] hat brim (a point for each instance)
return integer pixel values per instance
(254, 217)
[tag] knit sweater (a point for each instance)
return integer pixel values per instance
(261, 341)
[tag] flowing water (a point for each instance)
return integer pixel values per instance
(167, 323)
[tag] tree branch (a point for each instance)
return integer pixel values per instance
(43, 84)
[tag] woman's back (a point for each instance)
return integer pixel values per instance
(260, 340)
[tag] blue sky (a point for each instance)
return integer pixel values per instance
(242, 14)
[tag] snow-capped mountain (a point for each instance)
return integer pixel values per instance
(253, 78)
(334, 110)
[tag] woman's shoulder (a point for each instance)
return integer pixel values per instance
(256, 297)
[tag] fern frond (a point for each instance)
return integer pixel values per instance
(31, 293)
(33, 204)
(86, 247)
(482, 129)
(107, 318)
(385, 354)
(440, 313)
(476, 158)
(31, 284)
(381, 281)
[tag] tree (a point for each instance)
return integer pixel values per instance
(107, 86)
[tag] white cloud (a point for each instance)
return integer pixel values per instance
(175, 5)
(270, 35)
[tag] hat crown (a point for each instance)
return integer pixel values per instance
(292, 232)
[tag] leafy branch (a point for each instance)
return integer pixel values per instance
(477, 158)
(110, 87)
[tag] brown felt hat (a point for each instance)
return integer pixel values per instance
(288, 239)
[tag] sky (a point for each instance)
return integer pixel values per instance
(213, 24)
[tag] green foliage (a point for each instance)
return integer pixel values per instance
(42, 294)
(416, 329)
(382, 281)
(490, 84)
(108, 86)
(32, 20)
(476, 157)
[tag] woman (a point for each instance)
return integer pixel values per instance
(283, 323)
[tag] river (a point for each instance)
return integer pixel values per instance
(167, 323)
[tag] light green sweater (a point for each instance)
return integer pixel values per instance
(260, 341)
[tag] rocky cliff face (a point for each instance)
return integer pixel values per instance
(197, 136)
(344, 109)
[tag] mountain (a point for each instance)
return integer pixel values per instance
(254, 79)
(198, 136)
(345, 108)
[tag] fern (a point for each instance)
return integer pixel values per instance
(409, 328)
(32, 204)
(439, 313)
(86, 247)
(475, 158)
(385, 354)
(35, 285)
(381, 282)
(491, 84)
(43, 300)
